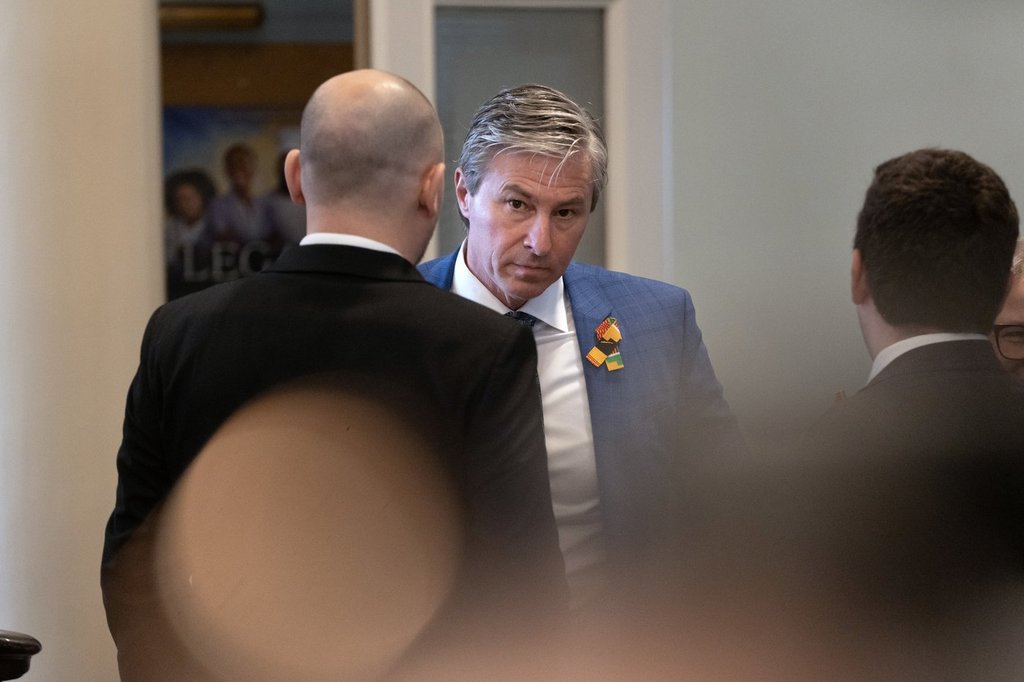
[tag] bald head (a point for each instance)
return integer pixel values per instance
(365, 136)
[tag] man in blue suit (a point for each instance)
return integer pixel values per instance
(629, 394)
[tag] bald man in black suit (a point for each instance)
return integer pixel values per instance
(349, 303)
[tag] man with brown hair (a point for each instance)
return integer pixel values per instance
(915, 502)
(931, 262)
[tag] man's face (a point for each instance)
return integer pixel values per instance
(240, 168)
(188, 203)
(1013, 313)
(524, 222)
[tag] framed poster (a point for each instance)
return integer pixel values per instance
(228, 213)
(231, 111)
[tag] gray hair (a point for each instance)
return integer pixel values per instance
(538, 119)
(1017, 268)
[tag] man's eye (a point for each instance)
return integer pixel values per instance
(565, 213)
(516, 204)
(1014, 336)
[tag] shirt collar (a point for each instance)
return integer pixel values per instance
(340, 239)
(890, 353)
(549, 307)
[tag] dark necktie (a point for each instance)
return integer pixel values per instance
(524, 319)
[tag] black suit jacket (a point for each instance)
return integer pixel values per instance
(886, 538)
(912, 489)
(369, 320)
(950, 397)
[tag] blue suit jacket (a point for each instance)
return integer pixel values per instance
(652, 417)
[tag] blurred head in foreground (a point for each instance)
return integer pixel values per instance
(299, 545)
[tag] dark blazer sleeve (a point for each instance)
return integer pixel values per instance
(513, 524)
(142, 479)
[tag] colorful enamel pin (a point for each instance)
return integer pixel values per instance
(606, 351)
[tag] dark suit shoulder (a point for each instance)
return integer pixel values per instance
(932, 400)
(186, 311)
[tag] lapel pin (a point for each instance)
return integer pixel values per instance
(606, 350)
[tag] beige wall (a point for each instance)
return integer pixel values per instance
(80, 269)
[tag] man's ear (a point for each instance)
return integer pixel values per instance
(432, 190)
(462, 195)
(293, 176)
(860, 292)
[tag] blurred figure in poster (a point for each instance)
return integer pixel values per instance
(188, 234)
(235, 215)
(238, 219)
(285, 220)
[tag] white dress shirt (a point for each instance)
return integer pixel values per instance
(567, 430)
(340, 239)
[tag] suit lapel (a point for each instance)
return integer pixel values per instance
(604, 391)
(440, 272)
(589, 308)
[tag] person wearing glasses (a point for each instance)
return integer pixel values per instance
(1008, 332)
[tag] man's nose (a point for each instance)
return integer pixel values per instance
(538, 238)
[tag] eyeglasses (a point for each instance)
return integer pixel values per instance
(1009, 340)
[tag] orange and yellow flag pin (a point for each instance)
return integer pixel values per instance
(606, 351)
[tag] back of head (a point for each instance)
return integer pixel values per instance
(936, 236)
(535, 119)
(364, 135)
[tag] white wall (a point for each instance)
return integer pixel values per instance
(782, 110)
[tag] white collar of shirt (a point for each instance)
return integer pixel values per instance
(339, 239)
(549, 307)
(890, 353)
